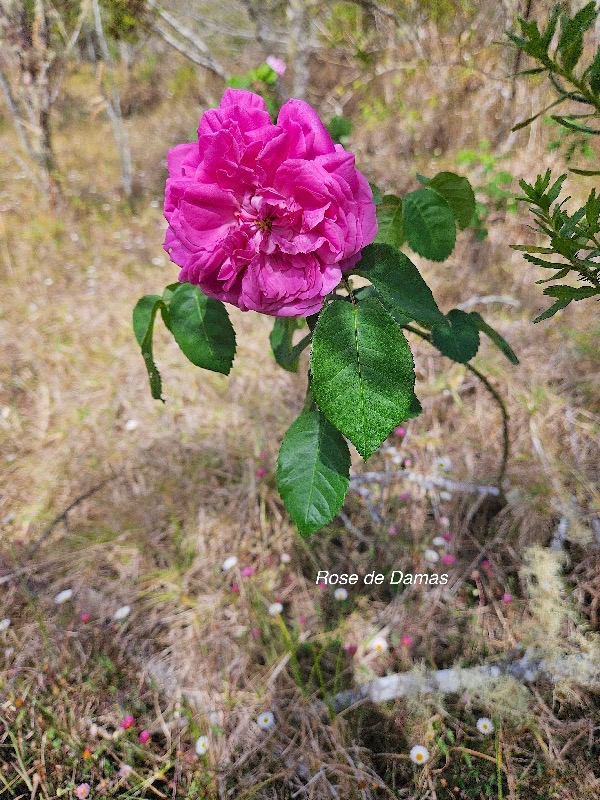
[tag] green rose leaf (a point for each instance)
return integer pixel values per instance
(362, 371)
(389, 221)
(202, 329)
(399, 285)
(429, 224)
(458, 193)
(286, 354)
(144, 315)
(496, 338)
(313, 470)
(457, 337)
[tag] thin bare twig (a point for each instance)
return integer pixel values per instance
(62, 517)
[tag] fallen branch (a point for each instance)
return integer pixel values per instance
(526, 669)
(424, 481)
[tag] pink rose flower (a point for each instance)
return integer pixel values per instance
(265, 216)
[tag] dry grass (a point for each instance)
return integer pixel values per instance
(197, 656)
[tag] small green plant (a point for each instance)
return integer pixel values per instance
(494, 193)
(573, 238)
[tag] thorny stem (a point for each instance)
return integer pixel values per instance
(498, 399)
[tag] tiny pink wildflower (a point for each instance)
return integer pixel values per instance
(235, 588)
(448, 559)
(302, 619)
(85, 618)
(447, 537)
(392, 530)
(351, 649)
(82, 791)
(261, 472)
(407, 641)
(408, 462)
(405, 497)
(255, 633)
(128, 722)
(263, 454)
(278, 65)
(400, 431)
(247, 572)
(144, 737)
(507, 597)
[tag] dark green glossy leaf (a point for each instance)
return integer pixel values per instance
(457, 337)
(362, 371)
(496, 338)
(429, 224)
(389, 221)
(459, 194)
(313, 471)
(398, 284)
(202, 329)
(144, 315)
(286, 354)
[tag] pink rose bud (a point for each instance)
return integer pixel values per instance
(407, 641)
(128, 722)
(507, 597)
(400, 431)
(144, 737)
(85, 618)
(247, 572)
(448, 558)
(351, 649)
(273, 225)
(277, 65)
(261, 472)
(447, 537)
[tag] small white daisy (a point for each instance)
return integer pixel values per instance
(443, 462)
(229, 563)
(485, 725)
(439, 541)
(432, 556)
(379, 644)
(122, 613)
(340, 594)
(445, 522)
(63, 596)
(4, 624)
(419, 754)
(445, 496)
(131, 424)
(275, 609)
(202, 745)
(265, 721)
(285, 558)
